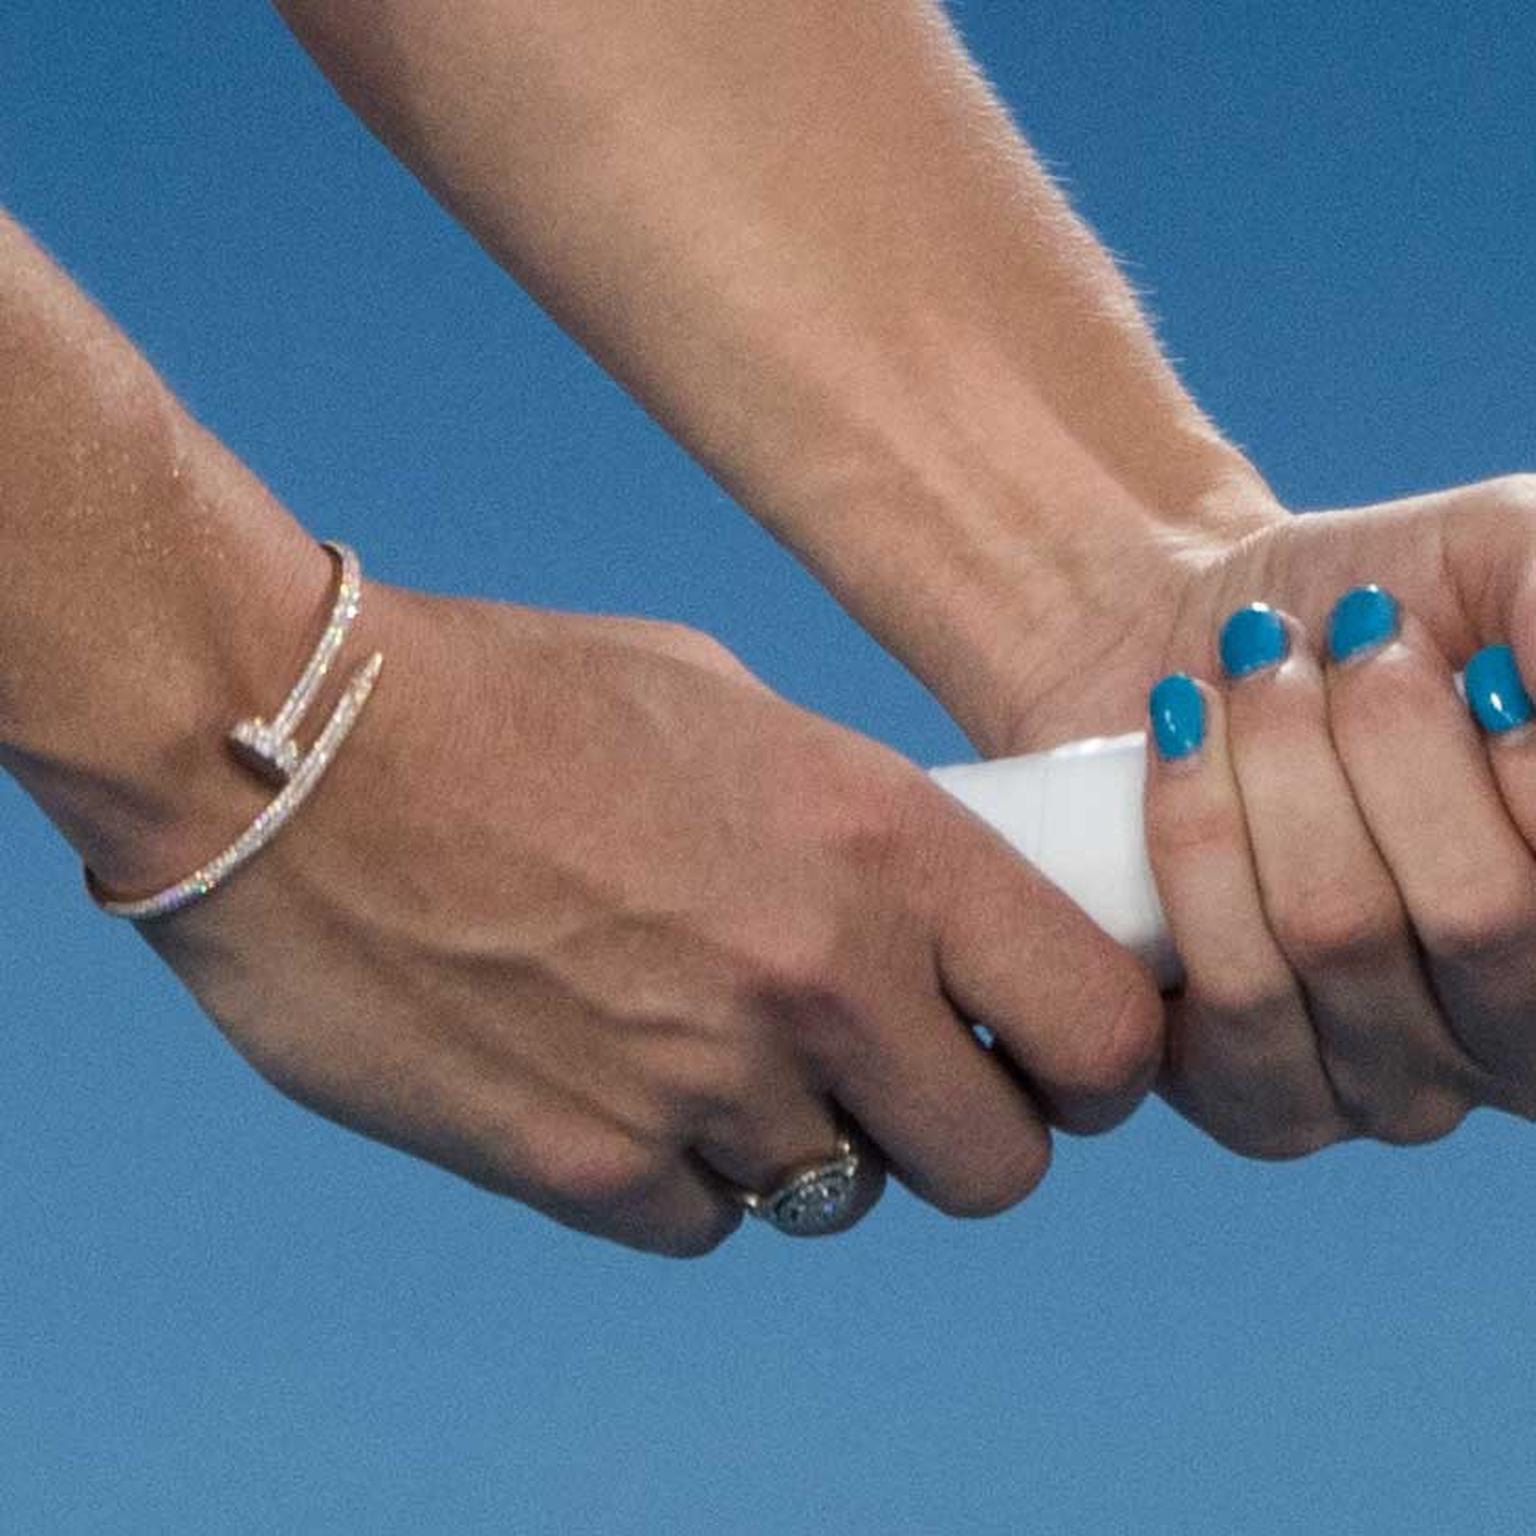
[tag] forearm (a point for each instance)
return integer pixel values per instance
(151, 587)
(807, 237)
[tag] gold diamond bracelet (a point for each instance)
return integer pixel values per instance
(271, 750)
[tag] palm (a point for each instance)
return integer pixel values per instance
(1463, 560)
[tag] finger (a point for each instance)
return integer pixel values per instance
(1242, 1059)
(586, 1173)
(951, 1118)
(599, 1178)
(1466, 876)
(1505, 991)
(667, 1204)
(1329, 898)
(1436, 808)
(1077, 1016)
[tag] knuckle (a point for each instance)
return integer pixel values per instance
(705, 651)
(1118, 1059)
(1137, 1034)
(873, 824)
(682, 639)
(699, 1239)
(1481, 929)
(705, 1077)
(997, 1187)
(1511, 1097)
(600, 1173)
(1402, 688)
(720, 1087)
(1213, 826)
(683, 642)
(1289, 708)
(799, 979)
(877, 826)
(1326, 927)
(1517, 491)
(1430, 1117)
(1401, 1116)
(801, 993)
(1278, 1143)
(1241, 1001)
(875, 809)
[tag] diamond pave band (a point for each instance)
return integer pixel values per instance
(271, 750)
(822, 1198)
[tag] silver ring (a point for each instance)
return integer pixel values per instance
(822, 1198)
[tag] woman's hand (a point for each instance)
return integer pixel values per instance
(588, 915)
(581, 910)
(1406, 923)
(1348, 878)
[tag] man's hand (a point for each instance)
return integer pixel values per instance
(587, 914)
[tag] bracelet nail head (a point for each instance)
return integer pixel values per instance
(270, 748)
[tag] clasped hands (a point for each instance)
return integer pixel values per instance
(590, 916)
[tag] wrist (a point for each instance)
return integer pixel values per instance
(1053, 606)
(990, 550)
(121, 736)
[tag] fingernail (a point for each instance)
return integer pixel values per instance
(1253, 638)
(1178, 716)
(1494, 690)
(1363, 620)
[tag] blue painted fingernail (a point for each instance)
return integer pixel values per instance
(1494, 690)
(1253, 638)
(1178, 716)
(1363, 620)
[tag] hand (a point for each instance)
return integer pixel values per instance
(586, 914)
(1389, 890)
(1354, 903)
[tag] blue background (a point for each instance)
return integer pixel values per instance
(219, 1313)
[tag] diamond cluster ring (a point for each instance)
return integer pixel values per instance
(822, 1198)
